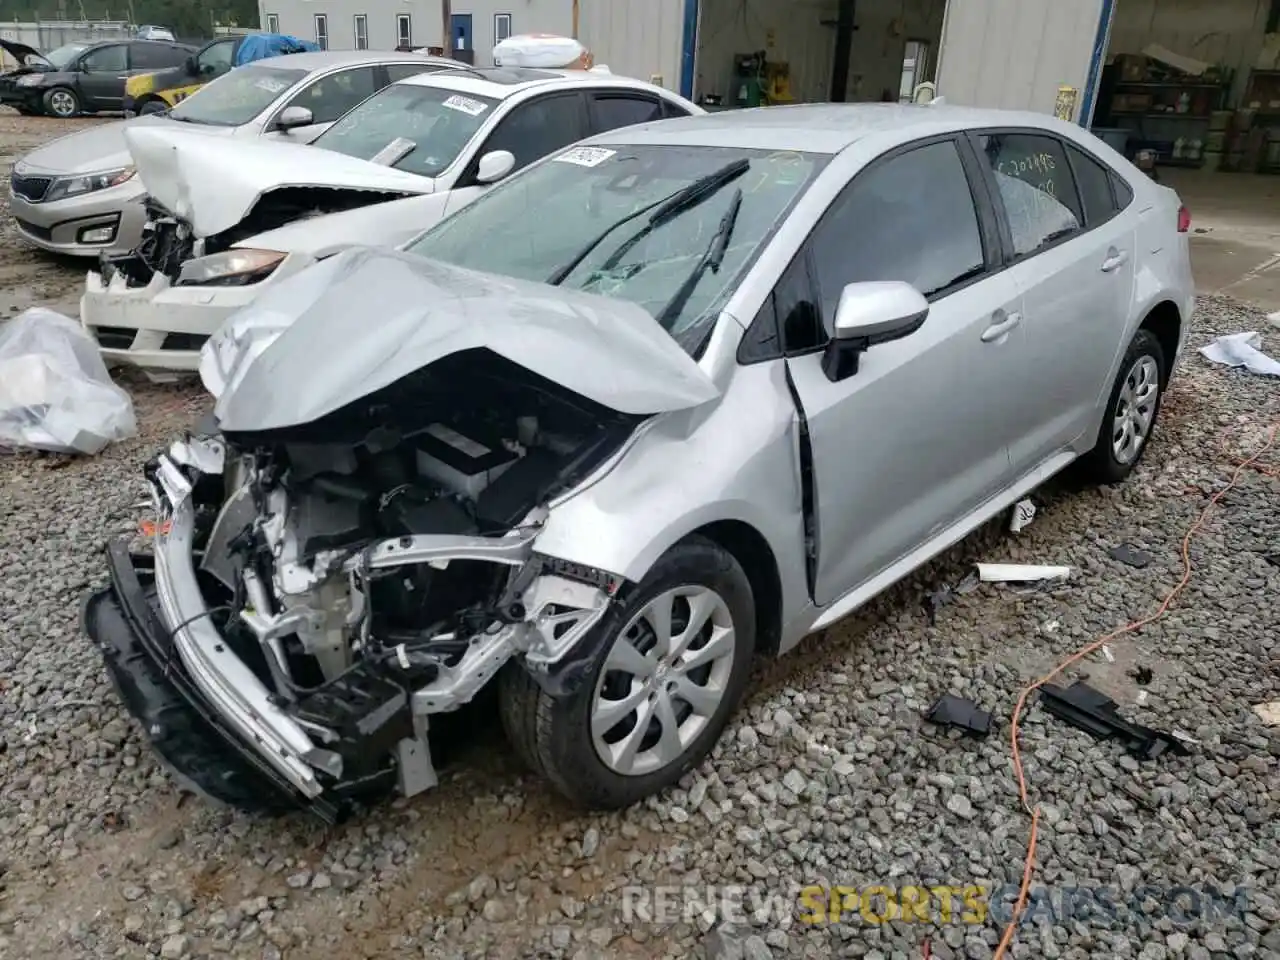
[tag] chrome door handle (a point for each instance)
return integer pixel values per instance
(1004, 322)
(1115, 262)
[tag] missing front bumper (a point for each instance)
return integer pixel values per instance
(184, 728)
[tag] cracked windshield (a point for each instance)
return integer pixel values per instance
(416, 129)
(667, 228)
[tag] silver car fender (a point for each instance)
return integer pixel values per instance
(729, 468)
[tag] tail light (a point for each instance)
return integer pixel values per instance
(1184, 219)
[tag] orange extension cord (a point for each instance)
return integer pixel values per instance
(1034, 812)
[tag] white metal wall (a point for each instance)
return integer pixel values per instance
(297, 17)
(1016, 53)
(636, 38)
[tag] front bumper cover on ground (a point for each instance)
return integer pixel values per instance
(183, 727)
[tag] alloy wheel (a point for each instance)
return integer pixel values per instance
(663, 680)
(1135, 410)
(62, 103)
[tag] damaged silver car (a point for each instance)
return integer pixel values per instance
(658, 404)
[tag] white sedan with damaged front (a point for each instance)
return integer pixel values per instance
(230, 221)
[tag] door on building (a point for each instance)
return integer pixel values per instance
(463, 38)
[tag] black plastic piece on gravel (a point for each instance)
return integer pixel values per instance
(1131, 556)
(960, 713)
(1095, 713)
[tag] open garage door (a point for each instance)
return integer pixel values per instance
(1020, 54)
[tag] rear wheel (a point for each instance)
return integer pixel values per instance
(1132, 411)
(677, 655)
(62, 102)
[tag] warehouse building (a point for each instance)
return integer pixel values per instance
(1189, 83)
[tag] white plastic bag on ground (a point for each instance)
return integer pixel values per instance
(1241, 350)
(55, 392)
(542, 51)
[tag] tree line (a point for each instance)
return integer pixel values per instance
(188, 19)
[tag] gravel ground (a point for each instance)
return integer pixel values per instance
(826, 777)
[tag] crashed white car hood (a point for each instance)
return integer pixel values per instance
(363, 319)
(213, 182)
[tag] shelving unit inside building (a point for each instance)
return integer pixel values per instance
(1193, 84)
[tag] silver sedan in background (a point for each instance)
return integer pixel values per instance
(78, 194)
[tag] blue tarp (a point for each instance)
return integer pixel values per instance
(259, 46)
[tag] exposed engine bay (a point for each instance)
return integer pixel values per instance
(376, 566)
(168, 242)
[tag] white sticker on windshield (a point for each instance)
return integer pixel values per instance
(586, 156)
(270, 84)
(468, 106)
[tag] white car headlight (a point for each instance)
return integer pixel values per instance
(75, 186)
(30, 80)
(230, 268)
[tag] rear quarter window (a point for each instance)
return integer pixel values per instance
(1124, 192)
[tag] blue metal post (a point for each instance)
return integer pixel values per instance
(688, 48)
(1100, 40)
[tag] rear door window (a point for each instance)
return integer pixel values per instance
(613, 110)
(1036, 187)
(152, 55)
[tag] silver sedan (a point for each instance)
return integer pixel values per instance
(661, 403)
(79, 195)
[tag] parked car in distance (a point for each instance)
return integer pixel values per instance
(449, 135)
(159, 91)
(85, 78)
(663, 402)
(79, 195)
(149, 32)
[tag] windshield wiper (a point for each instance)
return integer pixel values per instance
(711, 260)
(660, 211)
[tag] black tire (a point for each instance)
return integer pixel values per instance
(1101, 464)
(62, 102)
(152, 106)
(552, 734)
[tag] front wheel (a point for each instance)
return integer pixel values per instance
(62, 102)
(151, 107)
(1131, 414)
(676, 657)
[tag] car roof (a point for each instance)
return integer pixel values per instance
(825, 127)
(326, 59)
(499, 83)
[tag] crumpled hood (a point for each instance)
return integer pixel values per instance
(212, 183)
(363, 319)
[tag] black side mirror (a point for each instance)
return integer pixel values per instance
(191, 66)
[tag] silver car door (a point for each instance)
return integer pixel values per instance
(919, 435)
(1076, 282)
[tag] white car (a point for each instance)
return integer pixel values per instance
(235, 219)
(79, 194)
